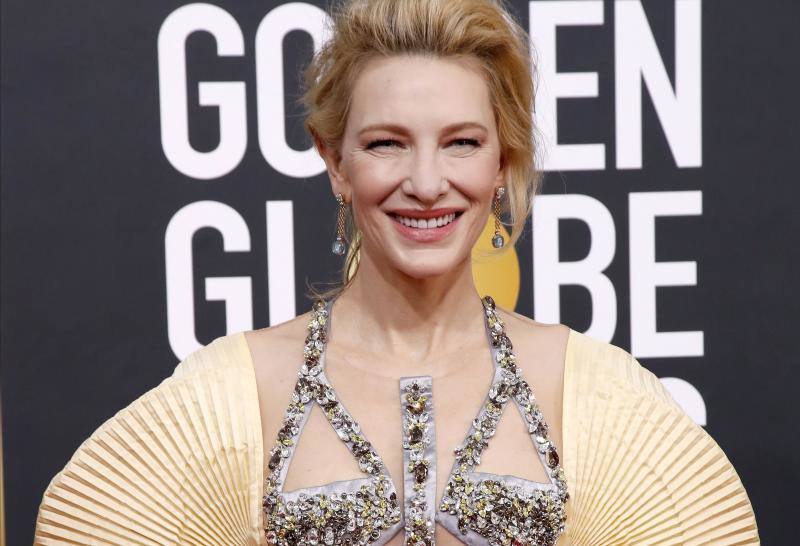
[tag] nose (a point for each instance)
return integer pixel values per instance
(426, 179)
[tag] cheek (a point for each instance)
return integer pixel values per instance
(475, 176)
(373, 180)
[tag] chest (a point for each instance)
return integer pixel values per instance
(375, 403)
(377, 408)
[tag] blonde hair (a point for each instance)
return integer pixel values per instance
(483, 29)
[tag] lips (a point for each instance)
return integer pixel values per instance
(423, 223)
(425, 226)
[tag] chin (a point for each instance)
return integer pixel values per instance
(426, 265)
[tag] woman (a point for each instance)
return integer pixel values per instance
(318, 431)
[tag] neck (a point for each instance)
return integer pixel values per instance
(392, 314)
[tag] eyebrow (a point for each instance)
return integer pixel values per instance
(395, 128)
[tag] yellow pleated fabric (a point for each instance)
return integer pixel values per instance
(639, 469)
(182, 463)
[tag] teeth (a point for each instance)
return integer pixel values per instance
(421, 223)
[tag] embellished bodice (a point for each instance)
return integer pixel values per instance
(478, 508)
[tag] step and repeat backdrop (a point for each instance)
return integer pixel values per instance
(158, 191)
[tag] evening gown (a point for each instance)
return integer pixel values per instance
(182, 464)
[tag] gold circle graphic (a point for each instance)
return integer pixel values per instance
(496, 273)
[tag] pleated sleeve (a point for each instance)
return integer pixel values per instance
(181, 464)
(639, 469)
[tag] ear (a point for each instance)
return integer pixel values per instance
(500, 177)
(333, 164)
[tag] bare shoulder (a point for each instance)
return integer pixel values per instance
(290, 330)
(278, 350)
(548, 340)
(541, 351)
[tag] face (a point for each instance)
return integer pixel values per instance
(420, 161)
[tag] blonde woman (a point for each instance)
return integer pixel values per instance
(378, 417)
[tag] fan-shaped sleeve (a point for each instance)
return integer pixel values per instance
(640, 471)
(179, 465)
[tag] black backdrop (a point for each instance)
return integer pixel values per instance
(100, 299)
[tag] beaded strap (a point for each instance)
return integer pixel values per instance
(484, 503)
(327, 517)
(419, 459)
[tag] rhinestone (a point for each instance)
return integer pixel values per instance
(415, 434)
(338, 247)
(417, 406)
(274, 460)
(420, 473)
(552, 457)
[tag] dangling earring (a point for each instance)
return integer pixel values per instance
(498, 240)
(338, 247)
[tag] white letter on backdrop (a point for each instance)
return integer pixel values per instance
(688, 398)
(269, 79)
(280, 261)
(646, 274)
(235, 291)
(636, 59)
(545, 17)
(549, 273)
(229, 97)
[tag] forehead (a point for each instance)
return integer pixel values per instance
(420, 91)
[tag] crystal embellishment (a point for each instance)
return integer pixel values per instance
(419, 460)
(338, 518)
(338, 247)
(506, 512)
(499, 510)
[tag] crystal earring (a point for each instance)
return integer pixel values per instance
(498, 240)
(338, 246)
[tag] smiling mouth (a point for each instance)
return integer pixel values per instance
(422, 223)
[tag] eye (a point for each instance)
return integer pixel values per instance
(381, 142)
(465, 142)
